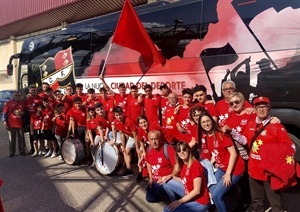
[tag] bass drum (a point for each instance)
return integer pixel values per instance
(108, 158)
(72, 151)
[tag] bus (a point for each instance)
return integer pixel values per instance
(254, 43)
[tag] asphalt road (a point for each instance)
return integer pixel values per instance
(48, 184)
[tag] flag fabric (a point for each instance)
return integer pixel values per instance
(131, 33)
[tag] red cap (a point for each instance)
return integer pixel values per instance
(261, 100)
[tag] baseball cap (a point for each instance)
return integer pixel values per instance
(261, 100)
(164, 85)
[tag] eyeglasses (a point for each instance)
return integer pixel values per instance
(228, 89)
(183, 149)
(263, 107)
(235, 102)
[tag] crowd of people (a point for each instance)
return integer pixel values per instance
(191, 150)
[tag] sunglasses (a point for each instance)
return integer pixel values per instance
(235, 102)
(183, 149)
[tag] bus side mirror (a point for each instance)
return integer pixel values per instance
(10, 69)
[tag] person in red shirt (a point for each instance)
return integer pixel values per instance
(50, 96)
(127, 134)
(152, 105)
(164, 101)
(77, 124)
(91, 98)
(36, 122)
(103, 119)
(135, 104)
(200, 94)
(108, 104)
(271, 134)
(47, 128)
(33, 100)
(121, 97)
(68, 103)
(182, 116)
(191, 186)
(43, 94)
(169, 121)
(160, 159)
(223, 106)
(79, 92)
(230, 166)
(142, 140)
(60, 125)
(12, 119)
(68, 96)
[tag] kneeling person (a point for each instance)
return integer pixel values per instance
(128, 132)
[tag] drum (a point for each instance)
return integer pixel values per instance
(72, 151)
(108, 158)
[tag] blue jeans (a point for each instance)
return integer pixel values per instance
(157, 192)
(218, 190)
(174, 188)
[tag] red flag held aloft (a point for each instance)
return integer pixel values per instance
(130, 33)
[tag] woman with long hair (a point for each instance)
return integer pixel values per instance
(192, 184)
(229, 164)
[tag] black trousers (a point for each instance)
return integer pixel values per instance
(258, 189)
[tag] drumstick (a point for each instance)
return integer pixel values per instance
(102, 155)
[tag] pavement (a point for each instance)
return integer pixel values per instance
(48, 184)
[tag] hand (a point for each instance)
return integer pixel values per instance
(101, 77)
(181, 129)
(275, 120)
(150, 182)
(140, 98)
(112, 142)
(173, 205)
(164, 179)
(6, 125)
(249, 110)
(227, 180)
(226, 129)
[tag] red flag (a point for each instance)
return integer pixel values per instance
(130, 33)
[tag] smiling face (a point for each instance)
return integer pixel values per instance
(144, 124)
(236, 103)
(119, 116)
(183, 152)
(100, 111)
(134, 92)
(262, 111)
(187, 99)
(227, 90)
(206, 123)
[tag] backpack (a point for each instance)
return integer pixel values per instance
(166, 154)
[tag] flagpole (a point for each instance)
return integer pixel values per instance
(104, 64)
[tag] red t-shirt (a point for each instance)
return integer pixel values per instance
(90, 103)
(14, 109)
(205, 153)
(218, 147)
(32, 103)
(36, 121)
(224, 110)
(61, 125)
(210, 107)
(152, 107)
(160, 165)
(239, 122)
(169, 122)
(121, 101)
(134, 108)
(164, 103)
(48, 114)
(93, 124)
(182, 117)
(69, 100)
(79, 116)
(271, 134)
(143, 135)
(187, 178)
(104, 123)
(82, 96)
(127, 126)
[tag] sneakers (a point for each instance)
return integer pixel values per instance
(60, 157)
(41, 153)
(23, 153)
(139, 177)
(35, 154)
(49, 153)
(54, 154)
(127, 173)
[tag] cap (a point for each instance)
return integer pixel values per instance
(164, 85)
(261, 99)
